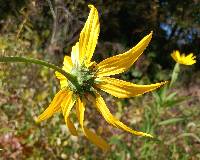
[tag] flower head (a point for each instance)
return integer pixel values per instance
(182, 59)
(91, 77)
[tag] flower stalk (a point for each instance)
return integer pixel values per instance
(175, 73)
(70, 77)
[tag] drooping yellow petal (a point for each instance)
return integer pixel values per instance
(66, 107)
(97, 140)
(53, 107)
(122, 62)
(71, 127)
(89, 36)
(123, 89)
(101, 106)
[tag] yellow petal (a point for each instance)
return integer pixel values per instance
(63, 80)
(89, 36)
(71, 127)
(174, 55)
(67, 67)
(101, 106)
(190, 59)
(97, 140)
(63, 83)
(53, 107)
(60, 76)
(67, 64)
(177, 54)
(123, 89)
(122, 62)
(182, 59)
(190, 56)
(66, 106)
(75, 54)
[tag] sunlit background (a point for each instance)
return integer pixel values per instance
(48, 29)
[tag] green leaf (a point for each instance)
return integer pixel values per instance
(173, 102)
(171, 96)
(171, 121)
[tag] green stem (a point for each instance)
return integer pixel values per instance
(39, 62)
(175, 73)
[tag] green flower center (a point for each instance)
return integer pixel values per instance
(84, 78)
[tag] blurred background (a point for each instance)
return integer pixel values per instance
(48, 29)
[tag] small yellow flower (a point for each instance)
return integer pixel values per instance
(91, 77)
(182, 59)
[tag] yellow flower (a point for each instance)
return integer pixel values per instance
(91, 77)
(182, 59)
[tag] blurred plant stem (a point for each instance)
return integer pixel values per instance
(7, 59)
(175, 73)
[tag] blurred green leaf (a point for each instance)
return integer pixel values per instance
(171, 121)
(174, 102)
(171, 96)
